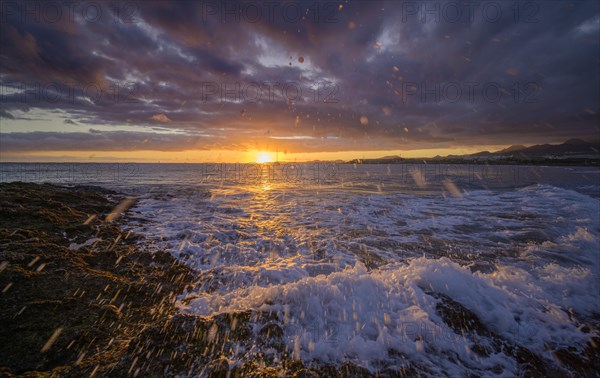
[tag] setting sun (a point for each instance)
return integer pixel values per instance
(265, 157)
(321, 192)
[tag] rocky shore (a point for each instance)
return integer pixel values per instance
(79, 296)
(76, 290)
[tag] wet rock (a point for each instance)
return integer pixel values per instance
(464, 322)
(586, 363)
(271, 331)
(532, 236)
(350, 370)
(459, 318)
(80, 306)
(218, 368)
(306, 373)
(483, 267)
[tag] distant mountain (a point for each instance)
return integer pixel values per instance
(482, 153)
(572, 147)
(383, 160)
(514, 147)
(575, 142)
(391, 157)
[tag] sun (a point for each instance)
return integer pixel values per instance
(265, 157)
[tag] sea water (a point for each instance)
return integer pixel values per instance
(348, 255)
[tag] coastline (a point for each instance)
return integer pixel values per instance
(71, 307)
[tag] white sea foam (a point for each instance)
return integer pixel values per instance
(355, 268)
(352, 273)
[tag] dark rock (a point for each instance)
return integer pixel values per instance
(218, 368)
(459, 318)
(92, 305)
(465, 322)
(350, 370)
(271, 330)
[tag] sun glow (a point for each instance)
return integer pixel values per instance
(265, 157)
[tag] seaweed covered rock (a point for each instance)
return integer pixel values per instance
(76, 289)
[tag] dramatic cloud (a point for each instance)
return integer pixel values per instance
(160, 118)
(297, 76)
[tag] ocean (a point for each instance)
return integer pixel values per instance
(353, 258)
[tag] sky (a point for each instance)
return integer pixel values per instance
(212, 81)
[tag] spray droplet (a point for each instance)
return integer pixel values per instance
(120, 208)
(451, 187)
(51, 340)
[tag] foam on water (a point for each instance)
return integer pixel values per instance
(352, 273)
(356, 268)
(360, 315)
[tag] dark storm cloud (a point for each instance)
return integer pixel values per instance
(176, 65)
(95, 140)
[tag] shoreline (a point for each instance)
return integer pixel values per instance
(80, 296)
